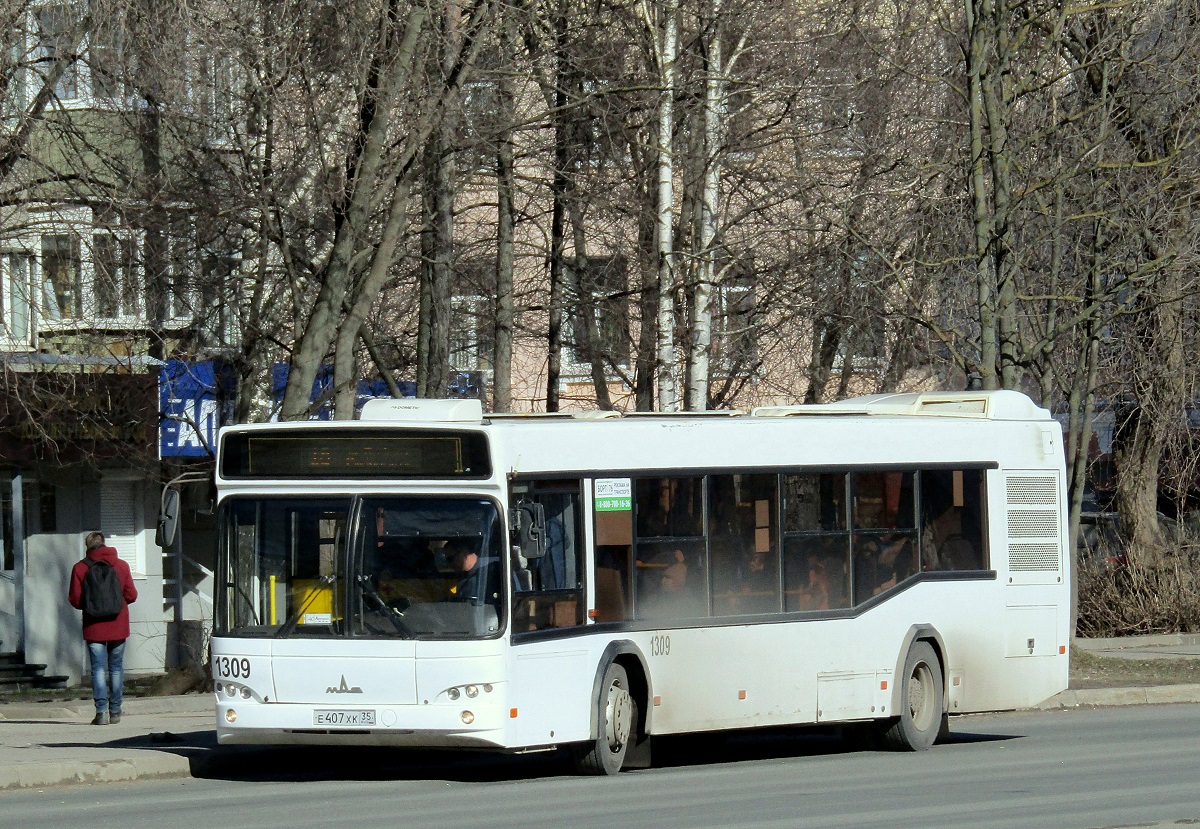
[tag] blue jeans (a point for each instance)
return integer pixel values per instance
(108, 675)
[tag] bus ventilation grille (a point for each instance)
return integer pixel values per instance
(1033, 524)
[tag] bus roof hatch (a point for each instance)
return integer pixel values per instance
(428, 411)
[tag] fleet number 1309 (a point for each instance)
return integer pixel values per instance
(231, 668)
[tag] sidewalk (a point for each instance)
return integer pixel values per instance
(52, 743)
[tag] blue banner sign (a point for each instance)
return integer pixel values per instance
(195, 400)
(322, 390)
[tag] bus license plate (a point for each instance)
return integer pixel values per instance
(343, 717)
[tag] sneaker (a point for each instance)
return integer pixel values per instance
(100, 719)
(114, 717)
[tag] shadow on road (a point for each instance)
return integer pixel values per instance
(321, 763)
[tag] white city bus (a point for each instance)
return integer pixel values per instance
(430, 575)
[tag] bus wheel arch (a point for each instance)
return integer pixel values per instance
(919, 700)
(619, 713)
(918, 633)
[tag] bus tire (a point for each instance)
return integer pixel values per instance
(921, 702)
(616, 720)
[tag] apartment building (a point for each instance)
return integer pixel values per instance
(94, 302)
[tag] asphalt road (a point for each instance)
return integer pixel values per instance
(1080, 769)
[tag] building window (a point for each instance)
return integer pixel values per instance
(601, 317)
(472, 333)
(472, 315)
(480, 117)
(734, 340)
(121, 508)
(38, 515)
(600, 86)
(57, 36)
(7, 524)
(217, 95)
(217, 300)
(62, 287)
(117, 282)
(16, 305)
(107, 46)
(178, 297)
(13, 102)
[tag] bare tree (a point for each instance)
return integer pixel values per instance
(379, 172)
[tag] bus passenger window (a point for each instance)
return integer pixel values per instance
(816, 547)
(670, 551)
(951, 520)
(614, 549)
(742, 543)
(815, 572)
(884, 542)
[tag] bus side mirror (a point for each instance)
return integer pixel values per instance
(529, 527)
(168, 518)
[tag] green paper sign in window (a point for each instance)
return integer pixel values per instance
(613, 495)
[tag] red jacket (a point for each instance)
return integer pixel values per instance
(103, 630)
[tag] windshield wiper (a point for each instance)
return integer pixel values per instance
(380, 607)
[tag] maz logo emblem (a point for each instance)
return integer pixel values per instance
(343, 688)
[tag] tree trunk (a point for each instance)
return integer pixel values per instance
(826, 338)
(1081, 408)
(390, 66)
(643, 383)
(1159, 396)
(505, 228)
(587, 307)
(983, 225)
(668, 396)
(700, 347)
(434, 352)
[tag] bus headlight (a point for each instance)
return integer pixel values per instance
(472, 691)
(468, 717)
(231, 716)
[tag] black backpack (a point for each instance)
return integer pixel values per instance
(102, 594)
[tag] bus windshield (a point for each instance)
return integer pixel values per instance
(379, 567)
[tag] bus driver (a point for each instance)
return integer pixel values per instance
(480, 582)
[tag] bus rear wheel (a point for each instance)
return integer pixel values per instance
(617, 722)
(921, 702)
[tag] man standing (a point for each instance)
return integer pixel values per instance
(105, 621)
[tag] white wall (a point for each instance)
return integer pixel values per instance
(54, 628)
(10, 628)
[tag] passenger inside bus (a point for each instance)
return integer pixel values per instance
(816, 596)
(667, 585)
(880, 563)
(758, 583)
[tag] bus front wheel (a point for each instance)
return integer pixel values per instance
(921, 702)
(616, 719)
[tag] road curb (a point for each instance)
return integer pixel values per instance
(84, 708)
(1150, 640)
(1102, 697)
(48, 773)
